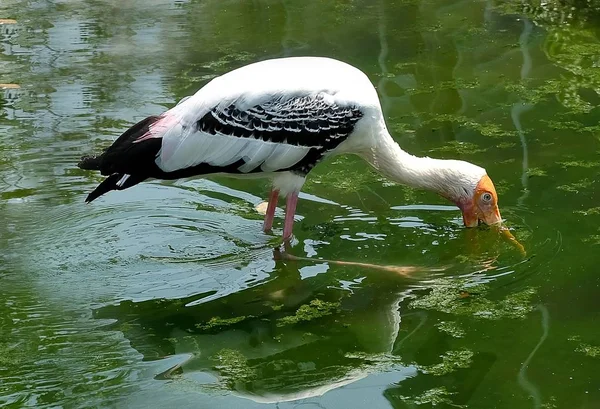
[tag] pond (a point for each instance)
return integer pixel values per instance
(169, 294)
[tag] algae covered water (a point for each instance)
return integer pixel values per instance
(168, 294)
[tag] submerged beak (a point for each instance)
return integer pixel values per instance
(483, 207)
(477, 209)
(492, 216)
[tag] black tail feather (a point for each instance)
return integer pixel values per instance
(126, 160)
(126, 155)
(110, 183)
(89, 163)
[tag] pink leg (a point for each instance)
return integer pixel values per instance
(271, 210)
(290, 210)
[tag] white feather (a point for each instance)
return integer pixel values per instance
(231, 156)
(174, 153)
(184, 99)
(283, 157)
(223, 150)
(288, 182)
(206, 147)
(256, 155)
(122, 180)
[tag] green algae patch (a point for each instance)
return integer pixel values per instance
(342, 176)
(490, 129)
(461, 148)
(505, 145)
(461, 258)
(588, 212)
(451, 361)
(451, 328)
(592, 351)
(536, 172)
(571, 44)
(516, 305)
(589, 350)
(576, 187)
(574, 126)
(383, 357)
(14, 355)
(8, 355)
(433, 397)
(448, 296)
(456, 84)
(502, 186)
(593, 239)
(378, 363)
(579, 164)
(402, 128)
(217, 322)
(311, 311)
(236, 206)
(462, 298)
(233, 366)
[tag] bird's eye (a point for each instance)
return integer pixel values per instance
(487, 197)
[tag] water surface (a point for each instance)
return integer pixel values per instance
(169, 293)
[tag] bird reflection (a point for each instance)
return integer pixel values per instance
(290, 336)
(286, 338)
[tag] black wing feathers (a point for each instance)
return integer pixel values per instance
(309, 121)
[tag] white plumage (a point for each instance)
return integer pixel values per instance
(253, 85)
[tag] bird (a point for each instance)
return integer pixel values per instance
(279, 118)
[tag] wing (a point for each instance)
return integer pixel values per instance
(277, 134)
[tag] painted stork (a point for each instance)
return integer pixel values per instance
(278, 119)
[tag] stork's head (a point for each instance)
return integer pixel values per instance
(481, 204)
(472, 190)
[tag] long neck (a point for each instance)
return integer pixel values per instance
(386, 156)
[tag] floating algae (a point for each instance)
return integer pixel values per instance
(592, 351)
(462, 298)
(307, 312)
(588, 212)
(433, 397)
(531, 172)
(216, 322)
(233, 366)
(451, 328)
(451, 361)
(460, 148)
(579, 164)
(576, 187)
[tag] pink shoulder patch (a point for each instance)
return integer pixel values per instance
(159, 128)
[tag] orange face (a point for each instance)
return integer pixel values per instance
(483, 206)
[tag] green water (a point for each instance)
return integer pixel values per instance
(169, 295)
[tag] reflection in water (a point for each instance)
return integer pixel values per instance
(525, 383)
(297, 336)
(520, 108)
(286, 339)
